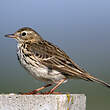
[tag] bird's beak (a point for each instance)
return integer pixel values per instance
(10, 36)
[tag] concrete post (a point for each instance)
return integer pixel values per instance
(43, 102)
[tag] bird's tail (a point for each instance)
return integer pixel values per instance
(91, 78)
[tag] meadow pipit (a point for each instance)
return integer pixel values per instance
(47, 62)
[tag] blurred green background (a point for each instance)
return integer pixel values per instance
(80, 27)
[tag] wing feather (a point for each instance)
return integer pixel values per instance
(53, 57)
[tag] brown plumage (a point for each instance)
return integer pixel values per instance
(36, 53)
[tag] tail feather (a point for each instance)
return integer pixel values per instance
(91, 78)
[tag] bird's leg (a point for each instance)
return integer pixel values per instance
(53, 89)
(36, 90)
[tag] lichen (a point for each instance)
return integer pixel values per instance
(70, 100)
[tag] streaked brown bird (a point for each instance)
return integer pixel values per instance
(47, 62)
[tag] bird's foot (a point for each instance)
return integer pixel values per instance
(42, 93)
(30, 93)
(46, 93)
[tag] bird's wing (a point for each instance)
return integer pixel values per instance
(53, 57)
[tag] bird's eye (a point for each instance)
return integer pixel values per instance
(23, 33)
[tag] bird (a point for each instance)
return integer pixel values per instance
(47, 62)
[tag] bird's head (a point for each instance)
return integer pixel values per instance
(25, 34)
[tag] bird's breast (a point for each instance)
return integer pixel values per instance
(36, 69)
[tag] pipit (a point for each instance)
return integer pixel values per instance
(47, 62)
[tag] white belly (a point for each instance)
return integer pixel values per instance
(38, 70)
